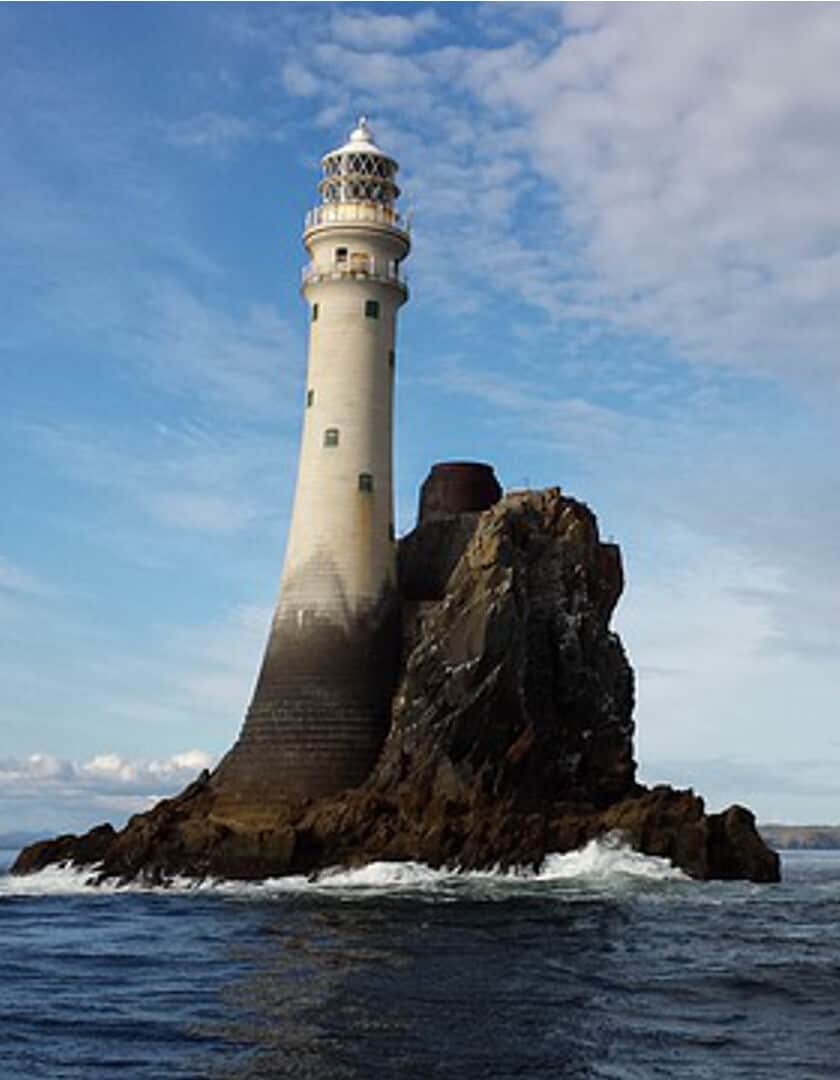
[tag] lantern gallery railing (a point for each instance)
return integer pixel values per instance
(334, 213)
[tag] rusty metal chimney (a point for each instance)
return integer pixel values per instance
(457, 487)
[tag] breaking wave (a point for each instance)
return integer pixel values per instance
(603, 865)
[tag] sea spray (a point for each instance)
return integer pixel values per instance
(603, 863)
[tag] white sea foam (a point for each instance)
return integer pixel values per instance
(608, 858)
(603, 864)
(53, 881)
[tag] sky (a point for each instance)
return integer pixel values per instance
(624, 281)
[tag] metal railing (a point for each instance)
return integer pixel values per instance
(363, 272)
(338, 213)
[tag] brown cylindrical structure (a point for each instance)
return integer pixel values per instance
(457, 487)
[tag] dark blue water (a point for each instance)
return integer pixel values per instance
(608, 966)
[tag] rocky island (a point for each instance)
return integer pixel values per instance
(510, 733)
(457, 698)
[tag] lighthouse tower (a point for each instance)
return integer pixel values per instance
(319, 711)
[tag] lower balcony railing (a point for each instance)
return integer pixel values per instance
(335, 213)
(365, 271)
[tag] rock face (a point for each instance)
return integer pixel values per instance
(510, 736)
(513, 685)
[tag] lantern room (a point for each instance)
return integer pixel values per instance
(359, 171)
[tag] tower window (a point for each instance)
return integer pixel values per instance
(365, 481)
(341, 255)
(331, 436)
(314, 312)
(372, 309)
(310, 398)
(391, 358)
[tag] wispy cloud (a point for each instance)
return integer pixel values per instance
(222, 133)
(696, 179)
(370, 30)
(213, 130)
(16, 579)
(247, 363)
(180, 476)
(684, 192)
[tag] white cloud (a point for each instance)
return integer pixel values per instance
(370, 30)
(100, 774)
(299, 80)
(682, 189)
(129, 683)
(46, 792)
(697, 178)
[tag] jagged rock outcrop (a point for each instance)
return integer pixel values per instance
(513, 685)
(511, 731)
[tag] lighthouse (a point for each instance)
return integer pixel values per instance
(319, 710)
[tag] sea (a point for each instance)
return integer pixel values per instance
(605, 964)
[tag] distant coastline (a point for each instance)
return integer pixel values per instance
(801, 837)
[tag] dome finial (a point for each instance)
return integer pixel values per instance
(361, 132)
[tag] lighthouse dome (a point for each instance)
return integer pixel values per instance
(360, 140)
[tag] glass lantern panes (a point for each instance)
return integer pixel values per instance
(359, 177)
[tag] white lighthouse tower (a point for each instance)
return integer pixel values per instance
(319, 711)
(340, 552)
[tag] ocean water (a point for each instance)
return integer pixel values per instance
(605, 965)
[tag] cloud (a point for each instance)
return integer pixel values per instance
(684, 192)
(645, 200)
(188, 475)
(129, 678)
(114, 769)
(299, 80)
(695, 179)
(244, 363)
(51, 792)
(212, 129)
(109, 264)
(370, 30)
(220, 133)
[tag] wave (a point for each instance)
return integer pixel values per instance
(606, 863)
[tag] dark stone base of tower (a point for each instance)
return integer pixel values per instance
(320, 711)
(510, 737)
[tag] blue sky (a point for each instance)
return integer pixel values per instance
(624, 281)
